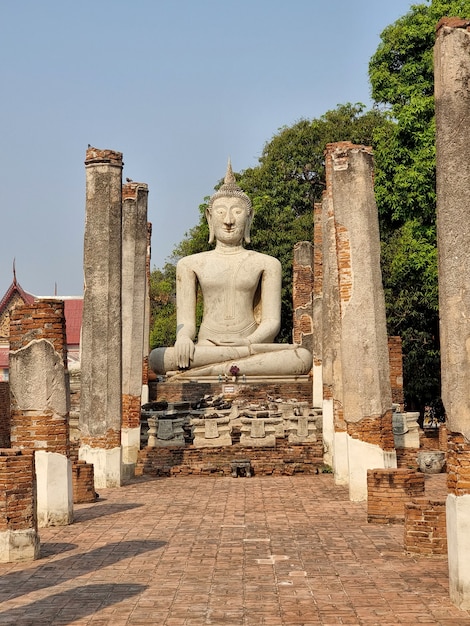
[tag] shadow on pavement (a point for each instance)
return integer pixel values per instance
(98, 509)
(68, 606)
(18, 583)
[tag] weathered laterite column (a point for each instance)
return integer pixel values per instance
(101, 388)
(367, 398)
(334, 426)
(452, 97)
(146, 349)
(19, 539)
(40, 404)
(302, 294)
(134, 292)
(317, 306)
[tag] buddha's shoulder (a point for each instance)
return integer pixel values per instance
(263, 259)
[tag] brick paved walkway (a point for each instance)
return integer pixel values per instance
(222, 551)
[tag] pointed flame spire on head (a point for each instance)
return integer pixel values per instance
(229, 188)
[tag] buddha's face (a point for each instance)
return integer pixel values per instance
(228, 219)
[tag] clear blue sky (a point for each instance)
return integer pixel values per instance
(177, 86)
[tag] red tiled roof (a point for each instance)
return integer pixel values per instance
(28, 298)
(73, 310)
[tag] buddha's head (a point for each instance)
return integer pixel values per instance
(229, 212)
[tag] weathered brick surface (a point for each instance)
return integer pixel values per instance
(458, 464)
(44, 319)
(193, 391)
(130, 411)
(5, 423)
(302, 294)
(317, 250)
(387, 492)
(286, 459)
(376, 430)
(407, 458)
(39, 432)
(110, 440)
(83, 482)
(425, 527)
(443, 438)
(429, 439)
(395, 356)
(17, 490)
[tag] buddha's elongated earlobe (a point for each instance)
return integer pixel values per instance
(211, 227)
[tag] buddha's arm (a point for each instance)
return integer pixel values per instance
(186, 288)
(270, 304)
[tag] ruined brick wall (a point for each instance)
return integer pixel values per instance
(193, 391)
(17, 490)
(302, 294)
(285, 459)
(387, 492)
(4, 415)
(425, 527)
(44, 319)
(376, 430)
(396, 370)
(458, 464)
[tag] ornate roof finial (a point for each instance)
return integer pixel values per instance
(14, 271)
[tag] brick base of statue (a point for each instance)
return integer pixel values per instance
(284, 460)
(249, 388)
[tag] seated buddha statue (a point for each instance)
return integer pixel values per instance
(241, 292)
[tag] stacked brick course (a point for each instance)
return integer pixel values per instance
(4, 415)
(189, 391)
(395, 356)
(285, 459)
(83, 482)
(425, 527)
(458, 464)
(17, 490)
(302, 294)
(387, 492)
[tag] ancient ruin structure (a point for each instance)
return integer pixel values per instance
(452, 97)
(101, 387)
(365, 402)
(134, 317)
(39, 404)
(317, 314)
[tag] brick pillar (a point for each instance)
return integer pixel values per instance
(388, 492)
(367, 398)
(101, 389)
(452, 98)
(134, 291)
(146, 350)
(19, 540)
(40, 403)
(302, 294)
(334, 427)
(317, 305)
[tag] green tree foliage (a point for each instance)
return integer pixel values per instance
(402, 80)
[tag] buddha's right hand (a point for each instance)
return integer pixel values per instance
(184, 351)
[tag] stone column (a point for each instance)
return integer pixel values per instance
(334, 426)
(19, 539)
(452, 97)
(367, 398)
(317, 305)
(101, 389)
(146, 350)
(134, 292)
(302, 294)
(40, 404)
